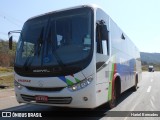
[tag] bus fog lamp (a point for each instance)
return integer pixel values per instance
(85, 98)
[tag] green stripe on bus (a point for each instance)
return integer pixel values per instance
(77, 80)
(110, 83)
(69, 82)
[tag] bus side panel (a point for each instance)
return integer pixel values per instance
(126, 56)
(102, 84)
(116, 50)
(124, 60)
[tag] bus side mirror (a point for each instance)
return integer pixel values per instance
(10, 42)
(11, 37)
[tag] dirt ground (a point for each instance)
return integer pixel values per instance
(7, 99)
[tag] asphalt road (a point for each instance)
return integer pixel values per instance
(146, 98)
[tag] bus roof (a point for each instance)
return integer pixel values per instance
(94, 6)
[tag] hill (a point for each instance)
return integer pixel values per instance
(150, 59)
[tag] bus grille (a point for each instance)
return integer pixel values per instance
(51, 100)
(45, 89)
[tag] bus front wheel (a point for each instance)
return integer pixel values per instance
(116, 93)
(113, 101)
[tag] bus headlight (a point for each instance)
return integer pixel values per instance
(17, 85)
(81, 84)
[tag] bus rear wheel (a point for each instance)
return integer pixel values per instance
(135, 87)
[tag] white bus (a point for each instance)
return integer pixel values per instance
(76, 57)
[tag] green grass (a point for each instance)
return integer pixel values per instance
(7, 81)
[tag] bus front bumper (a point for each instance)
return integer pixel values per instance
(84, 98)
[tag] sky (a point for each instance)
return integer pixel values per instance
(139, 19)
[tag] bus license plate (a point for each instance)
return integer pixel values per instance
(41, 98)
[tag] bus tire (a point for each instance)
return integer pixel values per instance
(113, 102)
(116, 93)
(135, 87)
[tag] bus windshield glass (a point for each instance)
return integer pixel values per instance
(56, 39)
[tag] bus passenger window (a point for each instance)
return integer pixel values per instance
(102, 38)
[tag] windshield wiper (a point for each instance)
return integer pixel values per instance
(58, 59)
(40, 42)
(37, 52)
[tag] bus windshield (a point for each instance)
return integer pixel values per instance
(56, 39)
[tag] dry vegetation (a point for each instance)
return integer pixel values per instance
(6, 56)
(6, 69)
(6, 63)
(7, 81)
